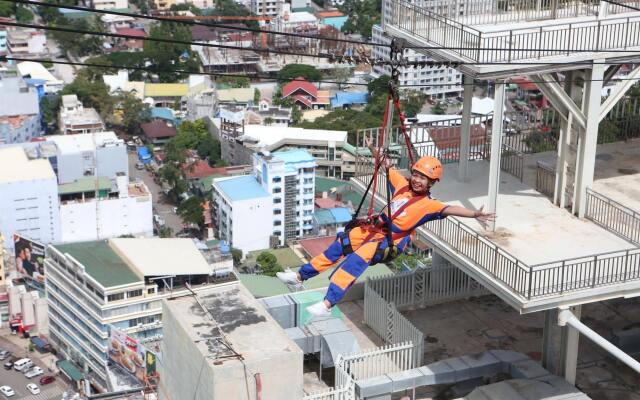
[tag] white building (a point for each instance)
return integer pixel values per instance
(83, 155)
(26, 42)
(92, 209)
(75, 118)
(290, 178)
(19, 111)
(110, 4)
(28, 197)
(268, 8)
(436, 82)
(243, 213)
(35, 70)
(119, 283)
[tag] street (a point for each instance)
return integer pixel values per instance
(18, 382)
(160, 206)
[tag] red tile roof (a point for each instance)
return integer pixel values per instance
(315, 246)
(327, 203)
(201, 169)
(299, 84)
(157, 129)
(131, 32)
(525, 84)
(449, 136)
(303, 100)
(328, 14)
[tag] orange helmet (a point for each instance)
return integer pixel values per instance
(429, 167)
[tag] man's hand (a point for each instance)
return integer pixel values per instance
(483, 216)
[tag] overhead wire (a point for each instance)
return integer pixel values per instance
(188, 22)
(317, 37)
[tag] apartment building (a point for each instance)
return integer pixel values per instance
(437, 82)
(268, 8)
(75, 118)
(26, 42)
(120, 283)
(19, 111)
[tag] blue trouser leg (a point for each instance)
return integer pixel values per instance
(322, 261)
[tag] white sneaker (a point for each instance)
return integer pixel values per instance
(319, 310)
(288, 277)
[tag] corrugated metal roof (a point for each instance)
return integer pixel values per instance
(341, 215)
(341, 99)
(83, 185)
(324, 217)
(263, 286)
(293, 156)
(241, 188)
(166, 89)
(326, 184)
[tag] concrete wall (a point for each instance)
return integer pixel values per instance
(252, 224)
(116, 217)
(41, 316)
(112, 160)
(30, 208)
(28, 129)
(28, 313)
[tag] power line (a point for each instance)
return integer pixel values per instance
(622, 5)
(159, 40)
(168, 19)
(269, 78)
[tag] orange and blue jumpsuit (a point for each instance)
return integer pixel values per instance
(367, 240)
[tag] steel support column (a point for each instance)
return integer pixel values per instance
(465, 131)
(586, 159)
(618, 92)
(496, 147)
(564, 144)
(569, 349)
(551, 335)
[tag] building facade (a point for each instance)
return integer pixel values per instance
(19, 111)
(94, 286)
(242, 212)
(267, 8)
(28, 197)
(436, 82)
(26, 42)
(75, 118)
(289, 176)
(110, 4)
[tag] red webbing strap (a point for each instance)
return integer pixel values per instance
(403, 129)
(376, 228)
(377, 158)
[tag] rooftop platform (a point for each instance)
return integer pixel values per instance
(540, 256)
(617, 171)
(496, 31)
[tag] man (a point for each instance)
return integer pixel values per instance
(361, 246)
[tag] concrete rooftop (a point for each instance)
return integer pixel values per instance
(528, 226)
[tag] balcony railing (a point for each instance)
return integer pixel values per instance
(528, 43)
(613, 216)
(545, 179)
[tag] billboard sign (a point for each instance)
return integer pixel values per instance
(131, 355)
(29, 258)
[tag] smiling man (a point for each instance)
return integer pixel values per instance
(357, 248)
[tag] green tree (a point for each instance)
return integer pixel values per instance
(134, 112)
(23, 14)
(293, 71)
(362, 15)
(170, 56)
(268, 264)
(608, 131)
(340, 75)
(165, 232)
(438, 109)
(379, 86)
(191, 211)
(231, 8)
(78, 44)
(236, 254)
(235, 81)
(345, 120)
(412, 102)
(92, 93)
(268, 121)
(6, 9)
(49, 107)
(256, 96)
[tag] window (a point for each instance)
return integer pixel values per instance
(276, 179)
(277, 211)
(151, 291)
(277, 200)
(277, 223)
(134, 293)
(277, 190)
(115, 297)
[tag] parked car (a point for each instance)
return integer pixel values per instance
(47, 379)
(139, 166)
(4, 354)
(32, 373)
(23, 364)
(9, 364)
(7, 391)
(33, 388)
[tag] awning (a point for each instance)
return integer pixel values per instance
(70, 371)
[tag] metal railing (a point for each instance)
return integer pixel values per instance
(391, 326)
(545, 179)
(373, 363)
(512, 161)
(613, 216)
(513, 44)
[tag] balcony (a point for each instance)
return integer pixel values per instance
(502, 31)
(540, 256)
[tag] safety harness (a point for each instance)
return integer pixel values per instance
(379, 224)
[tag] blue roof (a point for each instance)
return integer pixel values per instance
(336, 22)
(294, 156)
(162, 113)
(241, 187)
(341, 99)
(342, 215)
(331, 216)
